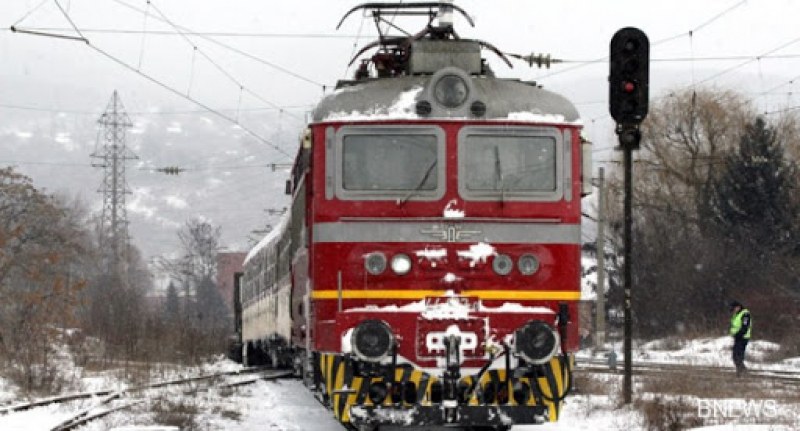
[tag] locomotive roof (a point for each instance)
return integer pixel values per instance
(397, 97)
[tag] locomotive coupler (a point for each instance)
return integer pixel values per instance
(451, 376)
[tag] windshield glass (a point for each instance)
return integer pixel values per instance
(510, 163)
(389, 162)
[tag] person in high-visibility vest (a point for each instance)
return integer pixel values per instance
(741, 330)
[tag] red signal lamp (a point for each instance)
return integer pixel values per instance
(628, 87)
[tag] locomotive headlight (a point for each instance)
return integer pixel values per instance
(375, 263)
(502, 264)
(536, 342)
(528, 264)
(451, 91)
(401, 264)
(372, 340)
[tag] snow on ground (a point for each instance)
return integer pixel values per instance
(286, 405)
(707, 351)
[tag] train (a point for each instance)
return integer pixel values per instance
(427, 271)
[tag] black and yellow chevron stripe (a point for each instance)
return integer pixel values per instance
(343, 389)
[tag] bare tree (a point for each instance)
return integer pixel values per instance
(203, 321)
(42, 271)
(683, 274)
(198, 259)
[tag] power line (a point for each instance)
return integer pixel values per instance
(200, 33)
(692, 59)
(210, 60)
(45, 163)
(229, 47)
(191, 99)
(791, 81)
(178, 112)
(29, 13)
(662, 41)
(173, 90)
(731, 69)
(152, 169)
(66, 15)
(781, 111)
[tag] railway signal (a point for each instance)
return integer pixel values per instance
(629, 75)
(628, 83)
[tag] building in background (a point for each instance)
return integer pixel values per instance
(228, 263)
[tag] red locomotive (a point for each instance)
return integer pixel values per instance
(427, 273)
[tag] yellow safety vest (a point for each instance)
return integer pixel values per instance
(736, 323)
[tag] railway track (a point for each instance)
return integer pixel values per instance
(109, 400)
(708, 371)
(106, 392)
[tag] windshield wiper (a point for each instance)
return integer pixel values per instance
(498, 168)
(421, 183)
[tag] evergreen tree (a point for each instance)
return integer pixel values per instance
(172, 306)
(211, 310)
(751, 204)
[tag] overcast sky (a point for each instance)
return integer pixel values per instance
(299, 54)
(574, 30)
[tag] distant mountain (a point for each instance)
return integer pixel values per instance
(228, 178)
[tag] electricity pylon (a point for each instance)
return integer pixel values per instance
(113, 155)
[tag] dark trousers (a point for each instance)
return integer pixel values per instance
(739, 345)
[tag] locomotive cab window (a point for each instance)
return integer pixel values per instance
(510, 164)
(381, 163)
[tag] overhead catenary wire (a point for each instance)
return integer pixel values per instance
(355, 45)
(153, 32)
(30, 12)
(154, 169)
(144, 35)
(196, 49)
(231, 48)
(659, 42)
(783, 110)
(191, 99)
(732, 68)
(173, 90)
(143, 113)
(66, 15)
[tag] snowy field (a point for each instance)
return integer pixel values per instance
(700, 351)
(285, 405)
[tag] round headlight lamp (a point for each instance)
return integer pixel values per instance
(375, 263)
(401, 264)
(528, 264)
(372, 340)
(451, 91)
(536, 342)
(502, 264)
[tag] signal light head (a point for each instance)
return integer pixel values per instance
(629, 76)
(630, 45)
(628, 87)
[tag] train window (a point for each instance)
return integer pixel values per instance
(390, 163)
(512, 164)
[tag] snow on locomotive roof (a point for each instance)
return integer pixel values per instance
(396, 98)
(270, 237)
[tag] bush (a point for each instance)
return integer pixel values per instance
(662, 414)
(181, 413)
